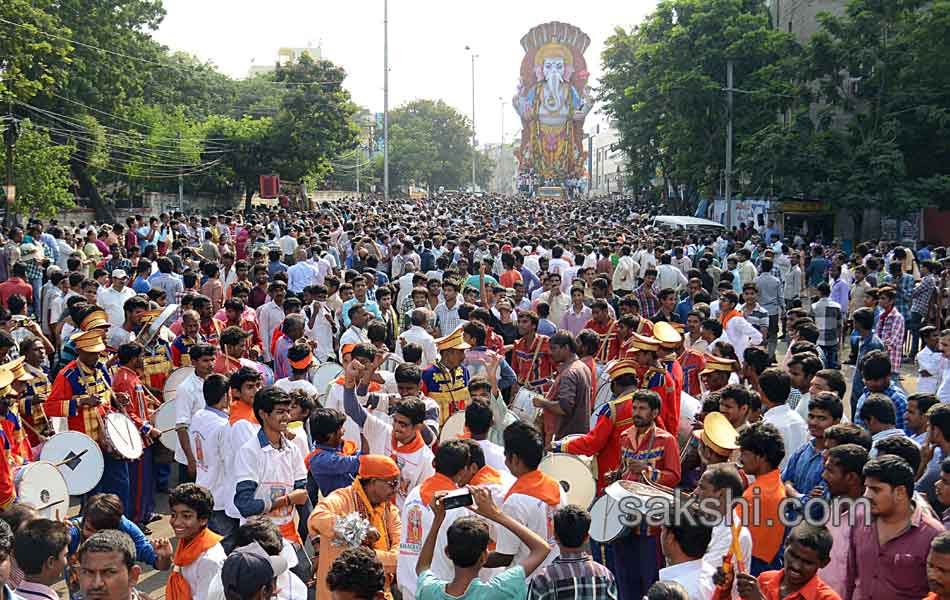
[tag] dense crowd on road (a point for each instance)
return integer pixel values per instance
(458, 397)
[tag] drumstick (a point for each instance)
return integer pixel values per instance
(50, 505)
(69, 460)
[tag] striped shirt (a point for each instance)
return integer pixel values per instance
(574, 576)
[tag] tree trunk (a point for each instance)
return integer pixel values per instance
(857, 218)
(248, 196)
(105, 211)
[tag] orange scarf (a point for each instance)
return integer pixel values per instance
(436, 483)
(726, 317)
(187, 553)
(487, 475)
(241, 411)
(537, 485)
(415, 445)
(373, 386)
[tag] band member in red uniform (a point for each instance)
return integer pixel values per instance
(654, 377)
(531, 357)
(613, 418)
(7, 488)
(670, 339)
(606, 328)
(190, 324)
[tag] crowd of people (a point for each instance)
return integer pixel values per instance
(361, 401)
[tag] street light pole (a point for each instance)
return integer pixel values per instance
(728, 193)
(385, 99)
(502, 102)
(474, 139)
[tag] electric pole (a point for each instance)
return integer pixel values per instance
(728, 193)
(385, 100)
(474, 137)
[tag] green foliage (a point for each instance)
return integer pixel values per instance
(430, 143)
(30, 63)
(664, 79)
(42, 169)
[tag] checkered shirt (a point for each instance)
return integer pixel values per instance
(891, 331)
(828, 319)
(921, 295)
(648, 306)
(573, 577)
(905, 289)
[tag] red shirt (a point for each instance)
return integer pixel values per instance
(770, 583)
(692, 363)
(508, 278)
(603, 441)
(657, 448)
(128, 381)
(609, 348)
(536, 373)
(15, 285)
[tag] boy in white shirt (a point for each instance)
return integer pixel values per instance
(199, 556)
(189, 400)
(209, 435)
(243, 426)
(928, 361)
(399, 436)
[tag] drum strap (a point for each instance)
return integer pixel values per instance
(534, 359)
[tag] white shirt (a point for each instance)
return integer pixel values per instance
(209, 434)
(113, 301)
(414, 467)
(688, 574)
(239, 433)
(494, 456)
(292, 386)
(742, 334)
(203, 571)
(321, 332)
(287, 245)
(289, 587)
(793, 429)
(301, 275)
(416, 523)
(269, 316)
(668, 276)
(558, 265)
(943, 390)
(352, 335)
(274, 470)
(625, 275)
(928, 360)
(718, 548)
(405, 287)
(190, 398)
(536, 515)
(418, 335)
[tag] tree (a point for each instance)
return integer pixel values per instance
(663, 84)
(250, 153)
(42, 173)
(30, 62)
(430, 143)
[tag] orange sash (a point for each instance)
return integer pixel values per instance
(726, 317)
(537, 485)
(436, 483)
(487, 475)
(289, 532)
(415, 445)
(186, 553)
(241, 411)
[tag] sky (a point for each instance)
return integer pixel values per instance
(427, 39)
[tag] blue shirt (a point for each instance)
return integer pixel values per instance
(804, 467)
(683, 308)
(369, 305)
(546, 327)
(815, 273)
(896, 395)
(142, 286)
(331, 469)
(865, 345)
(509, 585)
(144, 553)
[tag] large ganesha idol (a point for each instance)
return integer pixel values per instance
(553, 100)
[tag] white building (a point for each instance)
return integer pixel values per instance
(286, 56)
(607, 173)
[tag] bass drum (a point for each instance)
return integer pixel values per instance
(602, 396)
(324, 375)
(78, 459)
(605, 520)
(453, 428)
(522, 406)
(174, 380)
(164, 420)
(42, 485)
(574, 476)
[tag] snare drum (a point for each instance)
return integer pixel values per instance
(164, 420)
(122, 435)
(603, 396)
(324, 376)
(174, 380)
(78, 459)
(523, 405)
(573, 474)
(43, 486)
(453, 428)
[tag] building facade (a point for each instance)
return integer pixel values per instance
(607, 164)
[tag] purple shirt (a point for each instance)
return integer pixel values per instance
(574, 322)
(840, 292)
(896, 570)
